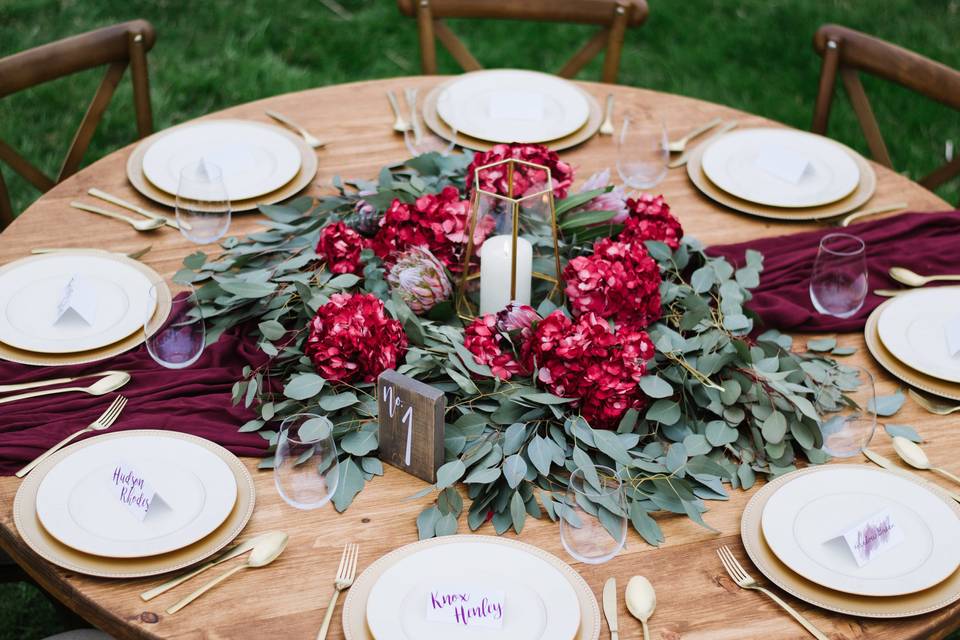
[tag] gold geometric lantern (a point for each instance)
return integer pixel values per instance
(519, 259)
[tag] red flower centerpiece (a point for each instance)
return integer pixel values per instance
(435, 221)
(502, 340)
(340, 246)
(353, 340)
(650, 219)
(619, 281)
(525, 179)
(588, 360)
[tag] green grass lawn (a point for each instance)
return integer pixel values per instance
(755, 55)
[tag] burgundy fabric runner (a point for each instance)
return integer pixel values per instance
(928, 243)
(195, 400)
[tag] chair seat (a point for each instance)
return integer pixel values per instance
(81, 634)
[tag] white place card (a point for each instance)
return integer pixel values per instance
(516, 105)
(132, 490)
(872, 537)
(78, 302)
(466, 605)
(782, 163)
(952, 330)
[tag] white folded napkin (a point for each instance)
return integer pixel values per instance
(782, 163)
(516, 105)
(952, 330)
(77, 304)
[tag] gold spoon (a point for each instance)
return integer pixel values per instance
(641, 600)
(265, 552)
(104, 385)
(933, 406)
(140, 225)
(912, 279)
(911, 453)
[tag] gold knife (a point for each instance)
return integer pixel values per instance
(682, 160)
(887, 464)
(229, 554)
(610, 607)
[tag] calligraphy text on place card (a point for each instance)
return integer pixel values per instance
(411, 417)
(466, 606)
(872, 536)
(132, 490)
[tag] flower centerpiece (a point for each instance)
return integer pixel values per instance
(649, 364)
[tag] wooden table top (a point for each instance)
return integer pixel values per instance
(695, 598)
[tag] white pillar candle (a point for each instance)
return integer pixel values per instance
(495, 261)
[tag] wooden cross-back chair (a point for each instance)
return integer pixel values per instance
(847, 52)
(612, 16)
(119, 46)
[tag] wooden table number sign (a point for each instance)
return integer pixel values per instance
(411, 424)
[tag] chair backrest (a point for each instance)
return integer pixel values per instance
(612, 16)
(118, 46)
(848, 52)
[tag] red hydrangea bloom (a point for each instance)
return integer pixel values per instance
(619, 281)
(438, 222)
(650, 219)
(525, 178)
(588, 360)
(353, 340)
(489, 342)
(340, 246)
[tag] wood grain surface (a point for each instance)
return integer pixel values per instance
(696, 600)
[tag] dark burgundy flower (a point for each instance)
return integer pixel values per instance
(525, 179)
(650, 219)
(340, 246)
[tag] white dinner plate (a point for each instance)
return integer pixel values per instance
(539, 603)
(731, 163)
(802, 519)
(75, 504)
(510, 105)
(255, 159)
(913, 328)
(31, 290)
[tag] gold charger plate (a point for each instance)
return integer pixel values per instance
(355, 607)
(912, 604)
(860, 195)
(442, 129)
(49, 548)
(899, 370)
(308, 169)
(164, 303)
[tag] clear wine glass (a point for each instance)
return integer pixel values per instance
(420, 138)
(203, 205)
(306, 471)
(593, 522)
(642, 152)
(839, 284)
(848, 431)
(176, 341)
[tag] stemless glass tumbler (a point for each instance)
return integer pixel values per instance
(593, 522)
(306, 471)
(203, 205)
(642, 152)
(839, 284)
(848, 430)
(177, 340)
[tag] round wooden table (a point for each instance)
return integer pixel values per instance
(695, 598)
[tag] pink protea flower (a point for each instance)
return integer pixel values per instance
(650, 219)
(588, 360)
(353, 340)
(420, 279)
(613, 200)
(340, 246)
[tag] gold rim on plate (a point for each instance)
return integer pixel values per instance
(355, 606)
(49, 548)
(897, 368)
(860, 195)
(135, 339)
(308, 170)
(442, 129)
(911, 604)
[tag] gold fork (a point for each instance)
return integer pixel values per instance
(105, 421)
(343, 581)
(744, 581)
(400, 124)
